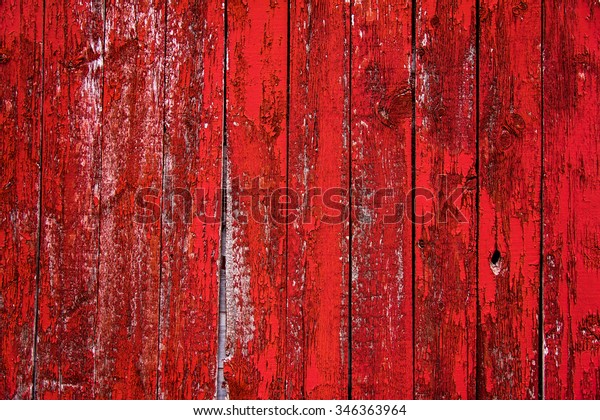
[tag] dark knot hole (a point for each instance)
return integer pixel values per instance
(495, 257)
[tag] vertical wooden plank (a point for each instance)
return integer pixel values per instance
(20, 125)
(382, 98)
(571, 188)
(192, 178)
(445, 243)
(255, 238)
(317, 279)
(128, 295)
(509, 198)
(70, 199)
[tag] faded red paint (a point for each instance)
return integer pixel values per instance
(71, 176)
(20, 128)
(256, 152)
(571, 191)
(317, 254)
(191, 178)
(445, 248)
(318, 95)
(381, 113)
(510, 146)
(126, 333)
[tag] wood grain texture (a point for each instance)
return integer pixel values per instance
(191, 208)
(128, 289)
(382, 345)
(20, 134)
(255, 242)
(445, 243)
(318, 176)
(571, 188)
(70, 199)
(121, 120)
(509, 204)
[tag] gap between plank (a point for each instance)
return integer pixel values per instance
(162, 204)
(39, 233)
(541, 336)
(349, 70)
(221, 390)
(287, 186)
(478, 339)
(413, 198)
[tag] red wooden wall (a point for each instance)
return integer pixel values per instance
(408, 205)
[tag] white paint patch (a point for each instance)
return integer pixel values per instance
(240, 312)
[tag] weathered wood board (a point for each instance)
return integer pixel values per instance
(364, 199)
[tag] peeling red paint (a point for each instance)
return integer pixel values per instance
(381, 112)
(491, 114)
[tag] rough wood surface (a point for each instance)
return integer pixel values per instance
(571, 191)
(128, 285)
(20, 135)
(191, 207)
(73, 70)
(410, 207)
(510, 149)
(318, 174)
(381, 118)
(446, 175)
(256, 167)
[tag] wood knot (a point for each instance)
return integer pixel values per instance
(496, 262)
(506, 140)
(421, 51)
(517, 122)
(435, 21)
(395, 107)
(438, 109)
(519, 8)
(513, 127)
